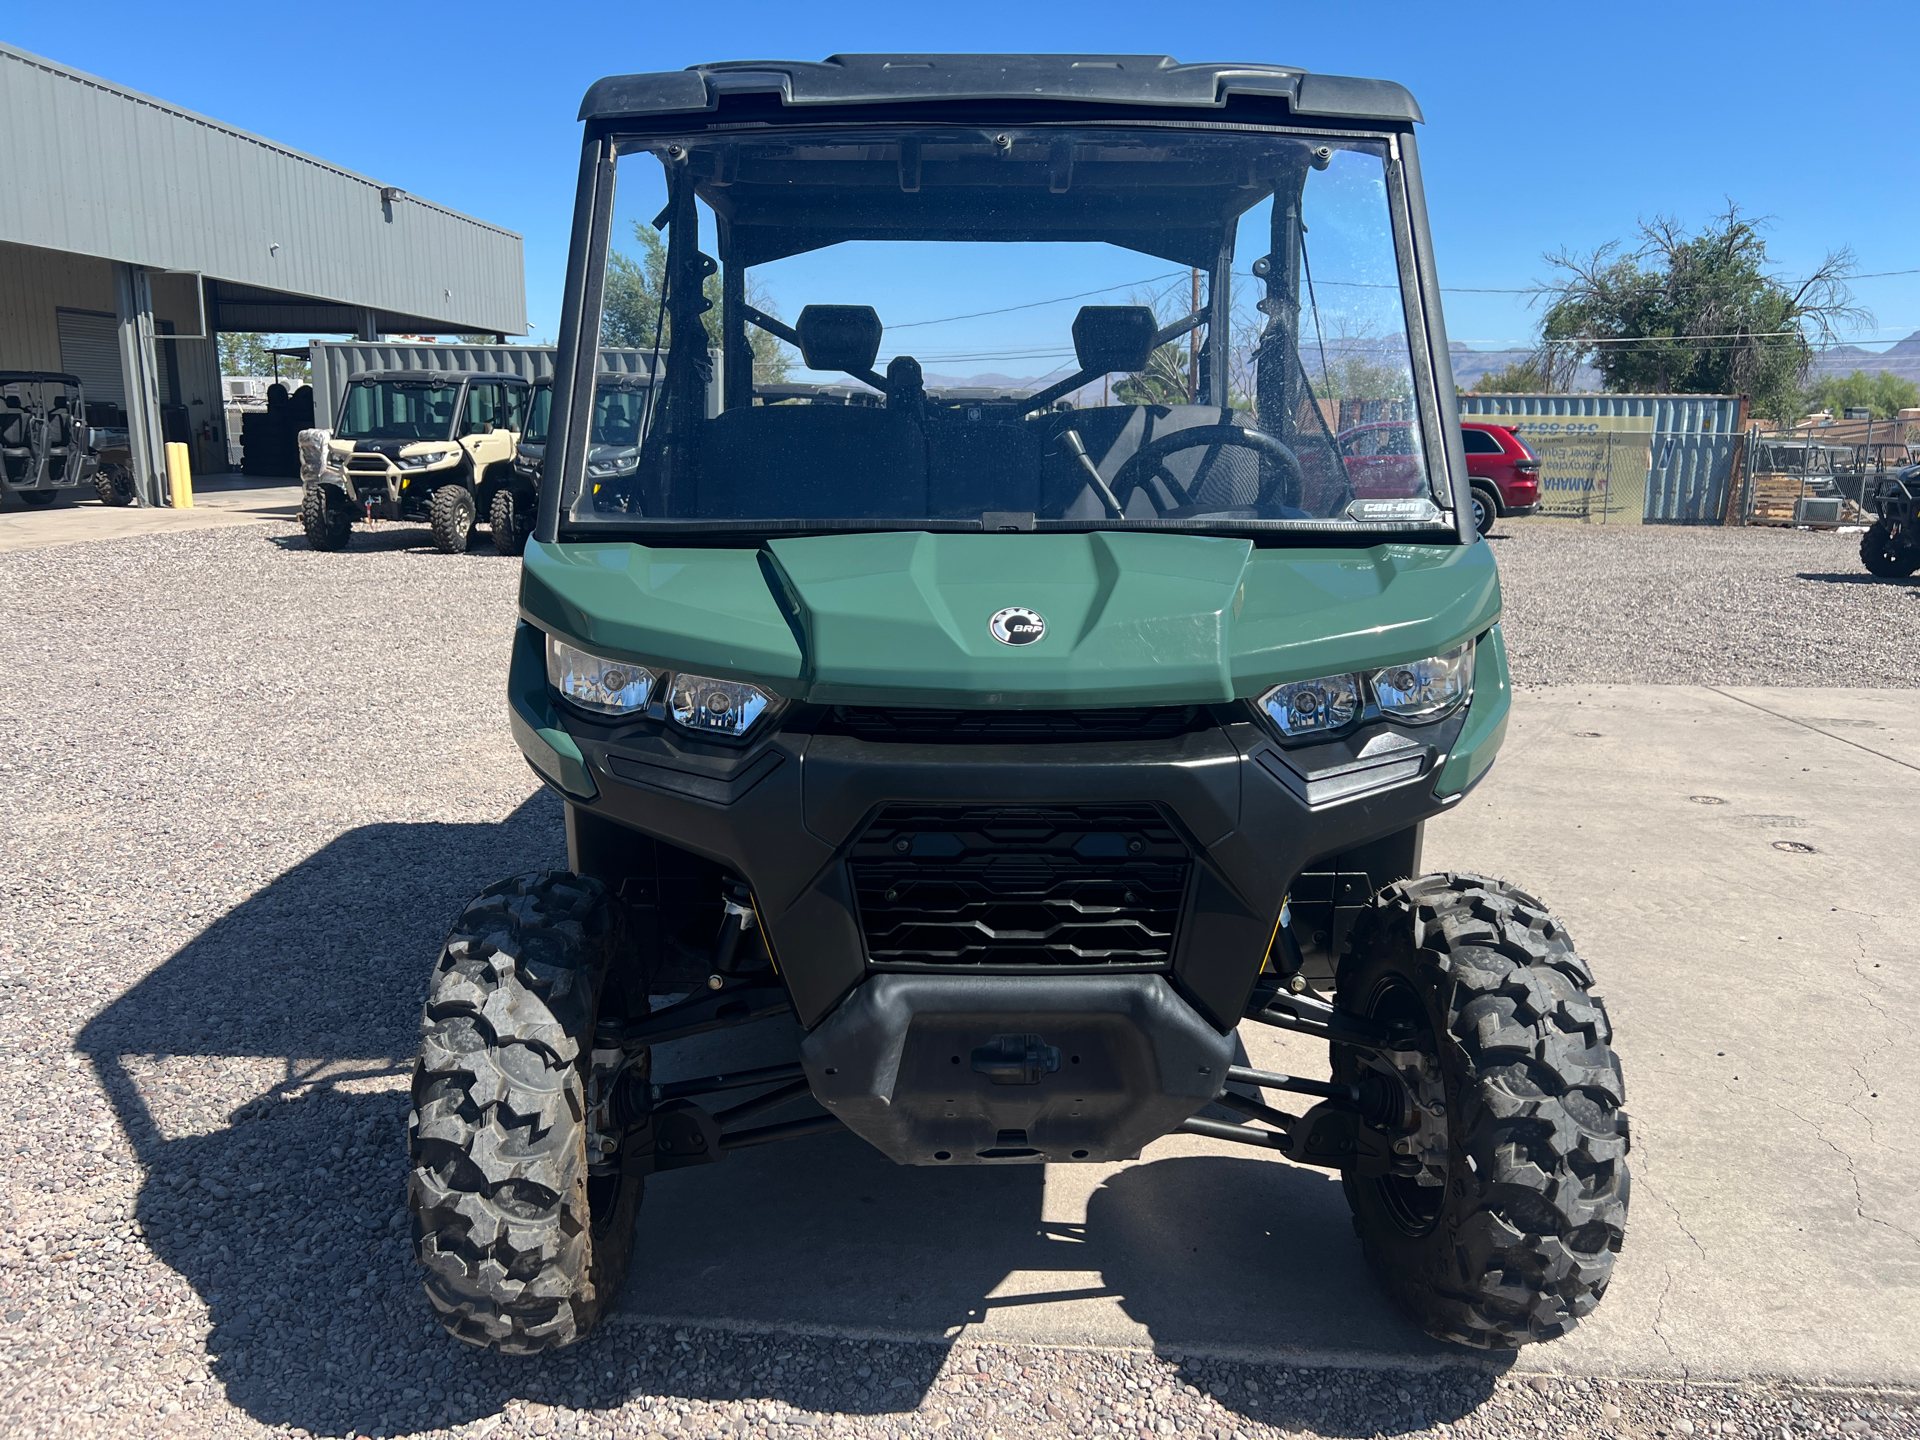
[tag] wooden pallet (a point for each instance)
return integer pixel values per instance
(1776, 501)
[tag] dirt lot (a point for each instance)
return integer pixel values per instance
(243, 788)
(1673, 605)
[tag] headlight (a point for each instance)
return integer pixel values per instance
(610, 687)
(625, 465)
(717, 707)
(418, 462)
(1425, 689)
(1307, 707)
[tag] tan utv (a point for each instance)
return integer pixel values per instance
(428, 446)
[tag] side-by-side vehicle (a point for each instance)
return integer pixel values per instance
(1023, 756)
(432, 446)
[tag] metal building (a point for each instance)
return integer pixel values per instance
(132, 232)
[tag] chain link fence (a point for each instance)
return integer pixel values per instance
(1800, 477)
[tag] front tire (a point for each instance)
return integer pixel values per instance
(1485, 509)
(451, 515)
(510, 522)
(523, 1249)
(326, 519)
(1883, 554)
(113, 485)
(1518, 1242)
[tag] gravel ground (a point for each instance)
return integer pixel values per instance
(243, 790)
(1674, 605)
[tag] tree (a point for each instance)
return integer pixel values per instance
(1693, 314)
(1354, 375)
(631, 308)
(1166, 379)
(1881, 392)
(1518, 377)
(246, 352)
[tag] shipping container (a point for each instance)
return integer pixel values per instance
(336, 362)
(1690, 444)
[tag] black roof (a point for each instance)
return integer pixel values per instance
(846, 80)
(439, 377)
(16, 377)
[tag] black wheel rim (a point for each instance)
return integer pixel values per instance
(603, 1201)
(1413, 1207)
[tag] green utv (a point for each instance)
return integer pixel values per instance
(1020, 743)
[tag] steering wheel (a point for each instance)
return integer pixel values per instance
(1149, 459)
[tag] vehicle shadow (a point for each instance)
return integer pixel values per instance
(396, 536)
(286, 1213)
(1909, 582)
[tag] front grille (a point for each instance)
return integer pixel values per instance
(1040, 885)
(1014, 727)
(374, 464)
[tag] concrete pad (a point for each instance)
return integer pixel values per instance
(1758, 994)
(217, 502)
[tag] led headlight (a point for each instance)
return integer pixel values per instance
(622, 465)
(717, 707)
(609, 687)
(1307, 707)
(418, 462)
(1425, 689)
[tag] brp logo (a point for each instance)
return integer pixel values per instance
(1017, 625)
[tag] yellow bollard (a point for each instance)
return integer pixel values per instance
(179, 476)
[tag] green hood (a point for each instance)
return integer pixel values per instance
(901, 618)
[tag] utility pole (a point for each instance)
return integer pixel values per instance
(1193, 345)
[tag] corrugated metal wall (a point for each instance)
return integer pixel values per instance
(95, 169)
(1693, 441)
(337, 362)
(34, 286)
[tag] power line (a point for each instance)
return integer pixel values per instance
(1036, 304)
(1248, 275)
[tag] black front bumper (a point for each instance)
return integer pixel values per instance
(796, 815)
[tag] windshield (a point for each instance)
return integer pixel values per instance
(538, 414)
(398, 410)
(1027, 328)
(618, 414)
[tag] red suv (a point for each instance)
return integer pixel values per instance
(1505, 474)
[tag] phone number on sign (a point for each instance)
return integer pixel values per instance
(1556, 428)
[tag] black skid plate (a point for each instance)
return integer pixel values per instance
(952, 1070)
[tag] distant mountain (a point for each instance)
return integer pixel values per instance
(1470, 365)
(994, 380)
(1902, 359)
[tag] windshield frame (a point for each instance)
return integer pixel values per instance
(1435, 413)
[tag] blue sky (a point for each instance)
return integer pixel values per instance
(1547, 126)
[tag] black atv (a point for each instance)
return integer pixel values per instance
(44, 451)
(1891, 546)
